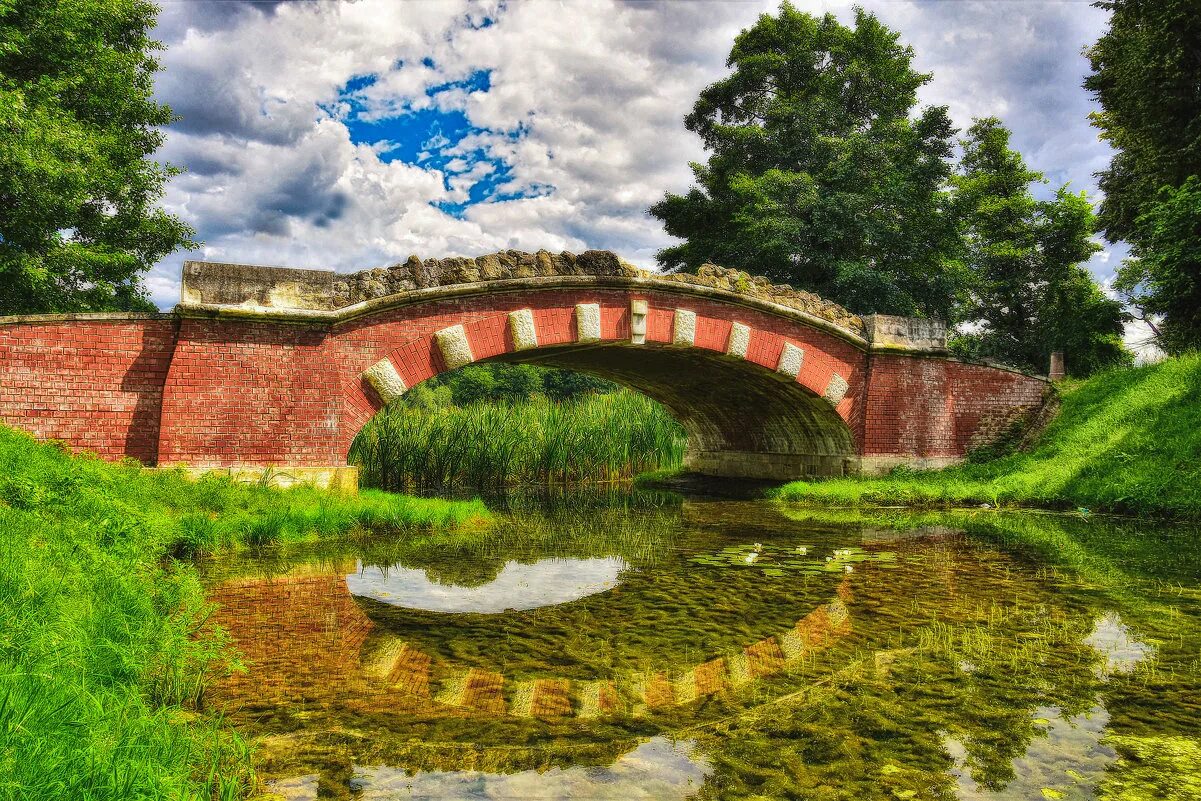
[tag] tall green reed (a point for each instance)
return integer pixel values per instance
(490, 446)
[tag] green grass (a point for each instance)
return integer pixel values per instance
(489, 446)
(1125, 441)
(104, 647)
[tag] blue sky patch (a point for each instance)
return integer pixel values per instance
(431, 138)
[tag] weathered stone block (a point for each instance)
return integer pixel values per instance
(905, 333)
(638, 312)
(388, 384)
(456, 350)
(740, 339)
(836, 390)
(521, 326)
(587, 322)
(684, 330)
(791, 359)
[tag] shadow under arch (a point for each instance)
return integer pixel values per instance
(742, 419)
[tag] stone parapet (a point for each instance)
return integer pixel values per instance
(249, 287)
(888, 332)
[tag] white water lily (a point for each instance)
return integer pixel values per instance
(758, 546)
(848, 568)
(802, 550)
(750, 557)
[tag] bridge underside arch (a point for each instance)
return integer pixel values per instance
(741, 420)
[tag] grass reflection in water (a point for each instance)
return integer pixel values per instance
(976, 656)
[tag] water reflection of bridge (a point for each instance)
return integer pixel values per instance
(305, 639)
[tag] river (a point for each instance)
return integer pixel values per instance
(629, 644)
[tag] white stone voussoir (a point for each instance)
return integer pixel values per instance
(521, 326)
(791, 359)
(740, 340)
(587, 322)
(638, 311)
(456, 350)
(387, 382)
(684, 329)
(836, 390)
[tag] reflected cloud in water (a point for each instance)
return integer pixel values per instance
(1112, 639)
(517, 587)
(658, 769)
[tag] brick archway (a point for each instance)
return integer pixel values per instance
(754, 401)
(259, 367)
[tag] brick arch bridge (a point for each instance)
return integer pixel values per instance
(262, 367)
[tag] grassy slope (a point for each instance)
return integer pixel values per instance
(103, 643)
(1125, 441)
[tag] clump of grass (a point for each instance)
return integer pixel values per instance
(488, 446)
(105, 648)
(1127, 441)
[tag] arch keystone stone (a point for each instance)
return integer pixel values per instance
(456, 349)
(587, 322)
(740, 340)
(521, 326)
(684, 328)
(836, 390)
(638, 311)
(388, 384)
(791, 359)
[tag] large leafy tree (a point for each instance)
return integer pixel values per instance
(78, 190)
(822, 173)
(1032, 293)
(1145, 75)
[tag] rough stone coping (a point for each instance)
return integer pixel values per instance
(514, 285)
(82, 317)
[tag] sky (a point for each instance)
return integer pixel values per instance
(351, 135)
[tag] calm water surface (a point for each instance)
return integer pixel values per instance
(640, 645)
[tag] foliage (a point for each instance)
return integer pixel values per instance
(1126, 440)
(104, 646)
(493, 445)
(1032, 295)
(821, 173)
(507, 383)
(1144, 75)
(1164, 279)
(77, 186)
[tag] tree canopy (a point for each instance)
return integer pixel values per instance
(821, 173)
(1032, 293)
(79, 223)
(1145, 75)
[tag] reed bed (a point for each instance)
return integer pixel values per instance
(491, 446)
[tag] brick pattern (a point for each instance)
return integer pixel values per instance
(935, 407)
(227, 392)
(96, 385)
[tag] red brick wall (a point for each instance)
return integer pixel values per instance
(934, 407)
(406, 337)
(95, 384)
(247, 392)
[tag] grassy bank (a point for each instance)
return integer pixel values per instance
(1126, 441)
(104, 647)
(492, 445)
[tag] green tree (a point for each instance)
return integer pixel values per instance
(1144, 75)
(821, 172)
(1032, 294)
(1164, 280)
(78, 190)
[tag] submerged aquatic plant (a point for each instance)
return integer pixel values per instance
(777, 560)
